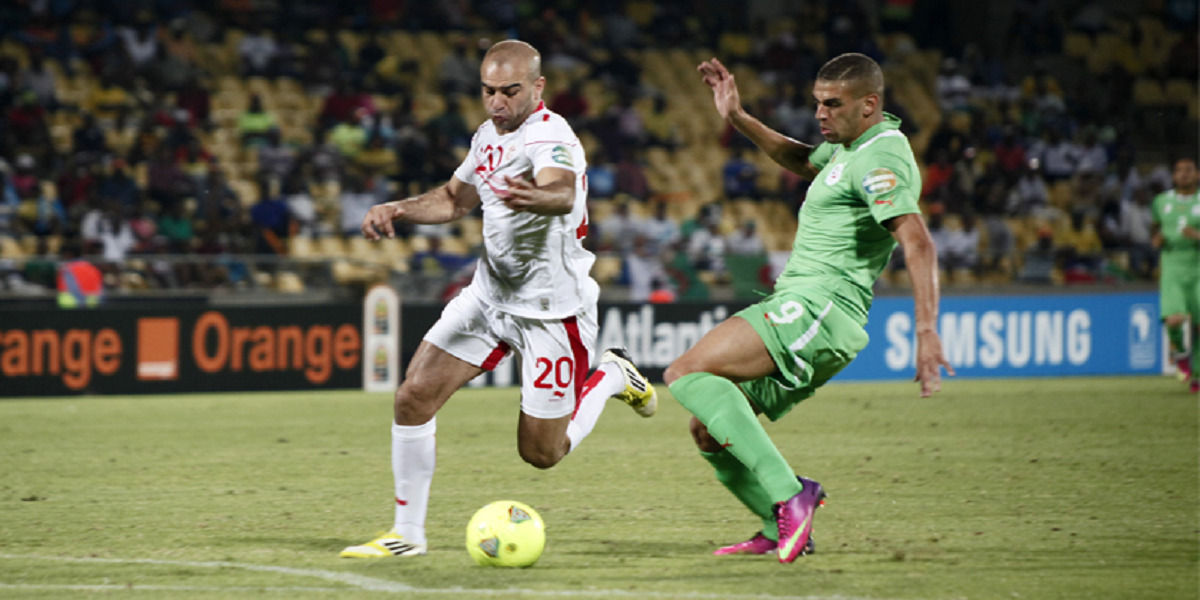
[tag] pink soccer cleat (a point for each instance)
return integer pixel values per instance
(795, 516)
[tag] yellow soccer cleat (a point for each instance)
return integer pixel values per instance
(388, 544)
(638, 392)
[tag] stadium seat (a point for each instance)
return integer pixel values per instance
(1148, 92)
(607, 269)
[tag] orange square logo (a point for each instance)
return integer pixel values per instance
(158, 348)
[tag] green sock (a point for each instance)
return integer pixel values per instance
(744, 486)
(1175, 334)
(720, 405)
(1195, 355)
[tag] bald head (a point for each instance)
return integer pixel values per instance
(511, 74)
(515, 55)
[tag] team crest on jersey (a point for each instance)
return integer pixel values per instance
(879, 181)
(835, 174)
(561, 155)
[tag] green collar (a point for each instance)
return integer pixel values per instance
(889, 122)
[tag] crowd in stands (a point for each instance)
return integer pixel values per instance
(134, 132)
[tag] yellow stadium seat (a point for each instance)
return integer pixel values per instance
(1148, 92)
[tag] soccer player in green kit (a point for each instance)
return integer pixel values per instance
(770, 356)
(1177, 234)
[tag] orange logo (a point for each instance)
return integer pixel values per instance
(158, 349)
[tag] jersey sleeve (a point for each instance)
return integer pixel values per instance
(821, 155)
(890, 184)
(551, 143)
(466, 172)
(1156, 209)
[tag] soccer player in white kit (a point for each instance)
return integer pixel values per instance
(531, 294)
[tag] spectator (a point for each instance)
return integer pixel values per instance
(344, 104)
(355, 201)
(952, 87)
(275, 159)
(217, 205)
(435, 261)
(175, 225)
(962, 247)
(9, 202)
(570, 103)
(41, 214)
(370, 53)
(140, 43)
(257, 51)
(618, 229)
(348, 137)
(1010, 155)
(660, 229)
(377, 158)
(745, 241)
(271, 222)
(631, 177)
(88, 138)
(27, 121)
(194, 98)
(1091, 157)
(116, 185)
(1136, 222)
(706, 249)
(450, 125)
(644, 267)
(739, 176)
(1039, 259)
(255, 124)
(458, 72)
(40, 80)
(1030, 192)
(25, 179)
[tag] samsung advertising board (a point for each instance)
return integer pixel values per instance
(1020, 336)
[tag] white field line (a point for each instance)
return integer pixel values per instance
(361, 582)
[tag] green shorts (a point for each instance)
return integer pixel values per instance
(1178, 290)
(810, 339)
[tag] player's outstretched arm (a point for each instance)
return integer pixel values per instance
(439, 205)
(787, 152)
(920, 255)
(552, 192)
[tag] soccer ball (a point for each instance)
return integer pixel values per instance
(506, 533)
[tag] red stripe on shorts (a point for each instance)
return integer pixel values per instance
(493, 359)
(582, 362)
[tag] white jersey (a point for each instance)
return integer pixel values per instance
(532, 265)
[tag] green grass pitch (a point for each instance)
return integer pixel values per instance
(1036, 488)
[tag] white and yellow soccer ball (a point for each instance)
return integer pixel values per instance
(506, 533)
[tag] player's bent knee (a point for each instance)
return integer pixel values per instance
(540, 457)
(675, 370)
(704, 441)
(414, 405)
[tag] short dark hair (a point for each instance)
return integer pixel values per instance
(853, 66)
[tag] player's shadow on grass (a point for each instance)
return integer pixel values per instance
(332, 545)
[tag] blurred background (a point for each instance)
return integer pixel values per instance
(227, 151)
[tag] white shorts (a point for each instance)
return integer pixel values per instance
(555, 354)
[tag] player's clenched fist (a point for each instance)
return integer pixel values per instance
(378, 222)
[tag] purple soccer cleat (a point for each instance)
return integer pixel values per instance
(759, 544)
(795, 516)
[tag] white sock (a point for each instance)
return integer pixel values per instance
(414, 454)
(605, 382)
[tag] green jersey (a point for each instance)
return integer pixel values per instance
(1171, 212)
(841, 245)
